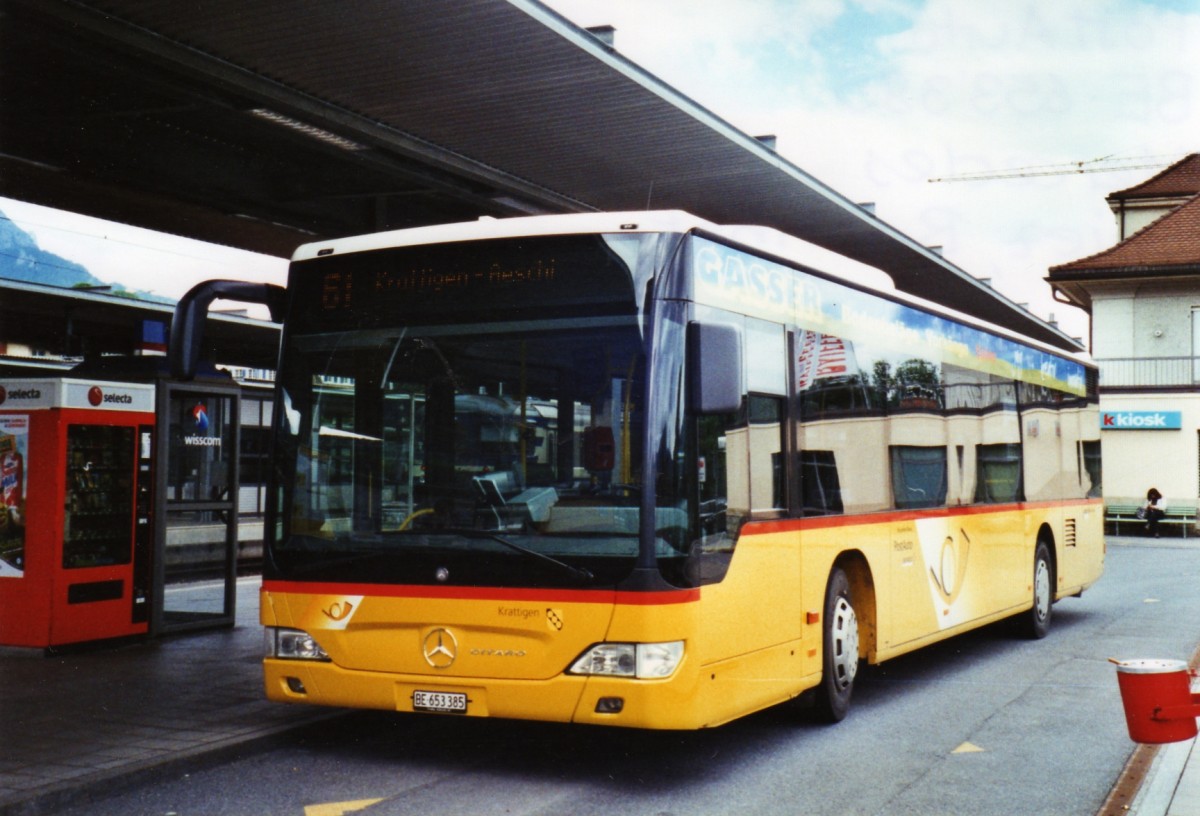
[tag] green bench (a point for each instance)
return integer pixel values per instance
(1118, 514)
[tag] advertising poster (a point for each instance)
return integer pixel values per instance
(14, 450)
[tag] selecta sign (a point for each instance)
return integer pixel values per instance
(58, 392)
(1141, 420)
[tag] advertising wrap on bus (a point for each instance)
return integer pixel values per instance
(735, 280)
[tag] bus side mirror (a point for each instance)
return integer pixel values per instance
(187, 326)
(714, 361)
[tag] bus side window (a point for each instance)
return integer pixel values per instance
(599, 449)
(918, 476)
(998, 473)
(741, 466)
(820, 488)
(766, 380)
(765, 454)
(713, 473)
(1089, 452)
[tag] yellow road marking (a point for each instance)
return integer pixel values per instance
(967, 748)
(339, 808)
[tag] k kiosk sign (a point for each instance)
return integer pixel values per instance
(1141, 420)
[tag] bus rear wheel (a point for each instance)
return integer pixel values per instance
(1036, 623)
(840, 642)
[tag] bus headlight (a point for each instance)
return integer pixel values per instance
(293, 644)
(642, 660)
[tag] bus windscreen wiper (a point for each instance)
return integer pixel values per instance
(582, 573)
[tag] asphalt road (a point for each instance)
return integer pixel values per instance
(984, 724)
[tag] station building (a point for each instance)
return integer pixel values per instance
(1143, 295)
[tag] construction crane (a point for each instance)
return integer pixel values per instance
(1103, 164)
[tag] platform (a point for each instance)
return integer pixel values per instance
(74, 725)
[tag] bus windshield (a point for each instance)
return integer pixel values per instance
(462, 445)
(466, 454)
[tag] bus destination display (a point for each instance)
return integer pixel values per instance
(338, 289)
(463, 279)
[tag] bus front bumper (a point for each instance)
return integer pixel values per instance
(659, 704)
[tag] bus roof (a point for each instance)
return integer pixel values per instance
(766, 240)
(487, 228)
(763, 239)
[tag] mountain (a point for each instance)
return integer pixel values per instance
(22, 259)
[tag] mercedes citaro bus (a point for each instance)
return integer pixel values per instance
(638, 469)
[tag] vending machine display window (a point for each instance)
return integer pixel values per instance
(98, 527)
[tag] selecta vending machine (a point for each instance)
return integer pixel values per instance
(76, 505)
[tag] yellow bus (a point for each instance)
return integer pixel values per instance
(641, 470)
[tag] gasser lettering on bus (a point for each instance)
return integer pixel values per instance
(747, 284)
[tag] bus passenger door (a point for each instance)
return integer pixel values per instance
(911, 612)
(751, 567)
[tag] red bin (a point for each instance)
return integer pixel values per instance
(1159, 705)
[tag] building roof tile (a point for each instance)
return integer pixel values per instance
(1180, 179)
(1169, 245)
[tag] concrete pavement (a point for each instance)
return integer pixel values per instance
(74, 725)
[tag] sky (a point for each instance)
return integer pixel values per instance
(873, 98)
(139, 259)
(876, 97)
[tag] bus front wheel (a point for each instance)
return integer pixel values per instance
(840, 642)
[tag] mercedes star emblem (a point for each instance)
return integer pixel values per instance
(440, 648)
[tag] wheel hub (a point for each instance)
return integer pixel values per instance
(844, 643)
(1041, 590)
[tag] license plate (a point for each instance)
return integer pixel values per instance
(443, 701)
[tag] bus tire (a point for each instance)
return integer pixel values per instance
(1036, 623)
(839, 637)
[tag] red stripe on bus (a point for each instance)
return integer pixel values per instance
(606, 596)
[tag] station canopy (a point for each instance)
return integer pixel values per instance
(266, 124)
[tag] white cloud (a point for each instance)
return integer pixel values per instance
(873, 97)
(956, 87)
